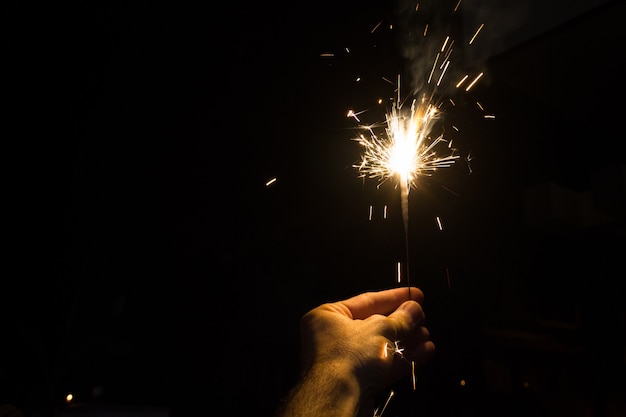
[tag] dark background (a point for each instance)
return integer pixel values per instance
(149, 265)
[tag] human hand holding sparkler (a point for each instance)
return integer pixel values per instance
(354, 349)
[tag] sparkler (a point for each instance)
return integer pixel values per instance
(405, 152)
(407, 148)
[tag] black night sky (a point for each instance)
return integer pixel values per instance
(149, 265)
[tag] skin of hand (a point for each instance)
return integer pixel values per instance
(349, 354)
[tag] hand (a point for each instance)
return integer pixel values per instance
(362, 331)
(353, 349)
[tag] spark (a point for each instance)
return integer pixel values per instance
(396, 349)
(399, 352)
(474, 81)
(376, 27)
(476, 33)
(450, 191)
(442, 73)
(460, 83)
(270, 182)
(449, 51)
(399, 272)
(443, 47)
(430, 76)
(354, 115)
(379, 413)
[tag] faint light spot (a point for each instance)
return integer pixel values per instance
(97, 391)
(462, 383)
(526, 384)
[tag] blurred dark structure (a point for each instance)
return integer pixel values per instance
(153, 269)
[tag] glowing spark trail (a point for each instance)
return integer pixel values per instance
(474, 82)
(476, 34)
(378, 413)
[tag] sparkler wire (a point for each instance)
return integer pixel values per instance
(405, 152)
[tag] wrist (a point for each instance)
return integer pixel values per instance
(329, 389)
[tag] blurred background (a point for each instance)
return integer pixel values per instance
(153, 270)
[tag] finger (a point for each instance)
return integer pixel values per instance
(420, 335)
(406, 319)
(380, 302)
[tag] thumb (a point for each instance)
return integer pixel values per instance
(406, 318)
